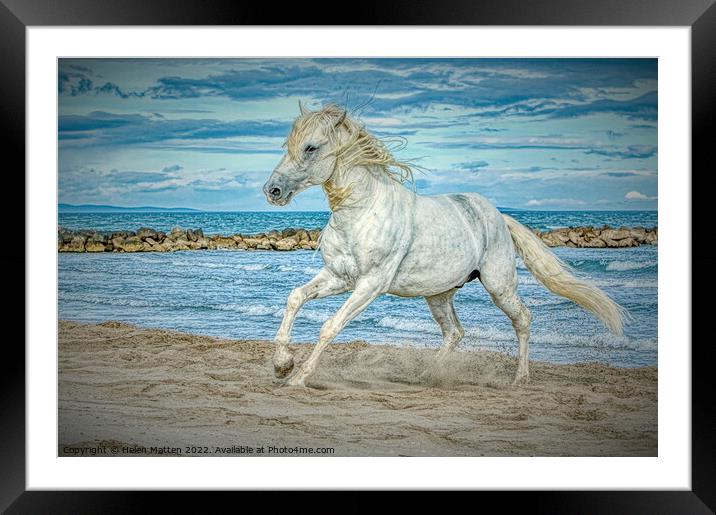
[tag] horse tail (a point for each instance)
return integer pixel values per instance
(555, 274)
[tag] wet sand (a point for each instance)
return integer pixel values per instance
(130, 391)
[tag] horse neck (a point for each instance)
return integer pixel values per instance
(361, 188)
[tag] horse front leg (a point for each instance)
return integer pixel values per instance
(366, 291)
(323, 285)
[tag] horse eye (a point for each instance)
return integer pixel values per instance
(310, 149)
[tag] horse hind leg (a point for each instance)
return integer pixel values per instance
(501, 283)
(443, 310)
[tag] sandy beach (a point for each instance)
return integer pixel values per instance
(130, 391)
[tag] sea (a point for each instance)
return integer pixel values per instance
(241, 294)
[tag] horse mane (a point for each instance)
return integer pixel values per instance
(361, 148)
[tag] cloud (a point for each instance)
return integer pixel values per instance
(621, 174)
(112, 129)
(473, 165)
(640, 108)
(494, 87)
(630, 152)
(518, 130)
(637, 195)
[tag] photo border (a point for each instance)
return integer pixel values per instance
(16, 15)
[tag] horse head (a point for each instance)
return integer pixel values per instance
(311, 153)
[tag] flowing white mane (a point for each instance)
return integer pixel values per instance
(360, 148)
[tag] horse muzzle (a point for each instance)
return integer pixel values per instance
(278, 194)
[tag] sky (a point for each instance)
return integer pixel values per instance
(206, 133)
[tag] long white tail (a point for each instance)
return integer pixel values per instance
(555, 275)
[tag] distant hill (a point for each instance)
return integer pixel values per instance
(95, 208)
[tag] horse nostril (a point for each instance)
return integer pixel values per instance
(275, 192)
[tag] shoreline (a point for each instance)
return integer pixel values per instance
(150, 240)
(121, 386)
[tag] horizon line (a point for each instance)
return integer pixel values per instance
(200, 210)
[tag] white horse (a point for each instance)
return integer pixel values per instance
(383, 237)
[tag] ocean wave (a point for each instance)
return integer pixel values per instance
(529, 280)
(254, 267)
(552, 301)
(196, 264)
(245, 309)
(250, 267)
(623, 266)
(306, 314)
(409, 324)
(89, 298)
(480, 335)
(307, 270)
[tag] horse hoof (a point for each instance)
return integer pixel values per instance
(295, 381)
(283, 369)
(521, 380)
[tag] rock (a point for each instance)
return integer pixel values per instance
(222, 242)
(241, 245)
(122, 234)
(638, 233)
(274, 235)
(177, 233)
(286, 233)
(627, 242)
(194, 234)
(76, 244)
(314, 234)
(284, 244)
(264, 244)
(575, 238)
(151, 245)
(590, 233)
(595, 243)
(132, 244)
(307, 245)
(551, 240)
(95, 244)
(303, 235)
(203, 243)
(615, 234)
(64, 235)
(252, 242)
(117, 243)
(145, 232)
(560, 235)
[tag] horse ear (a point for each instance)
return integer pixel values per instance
(301, 108)
(341, 118)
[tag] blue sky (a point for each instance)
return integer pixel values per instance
(206, 133)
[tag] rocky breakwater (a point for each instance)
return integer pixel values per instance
(599, 237)
(150, 240)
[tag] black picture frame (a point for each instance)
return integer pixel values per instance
(700, 15)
